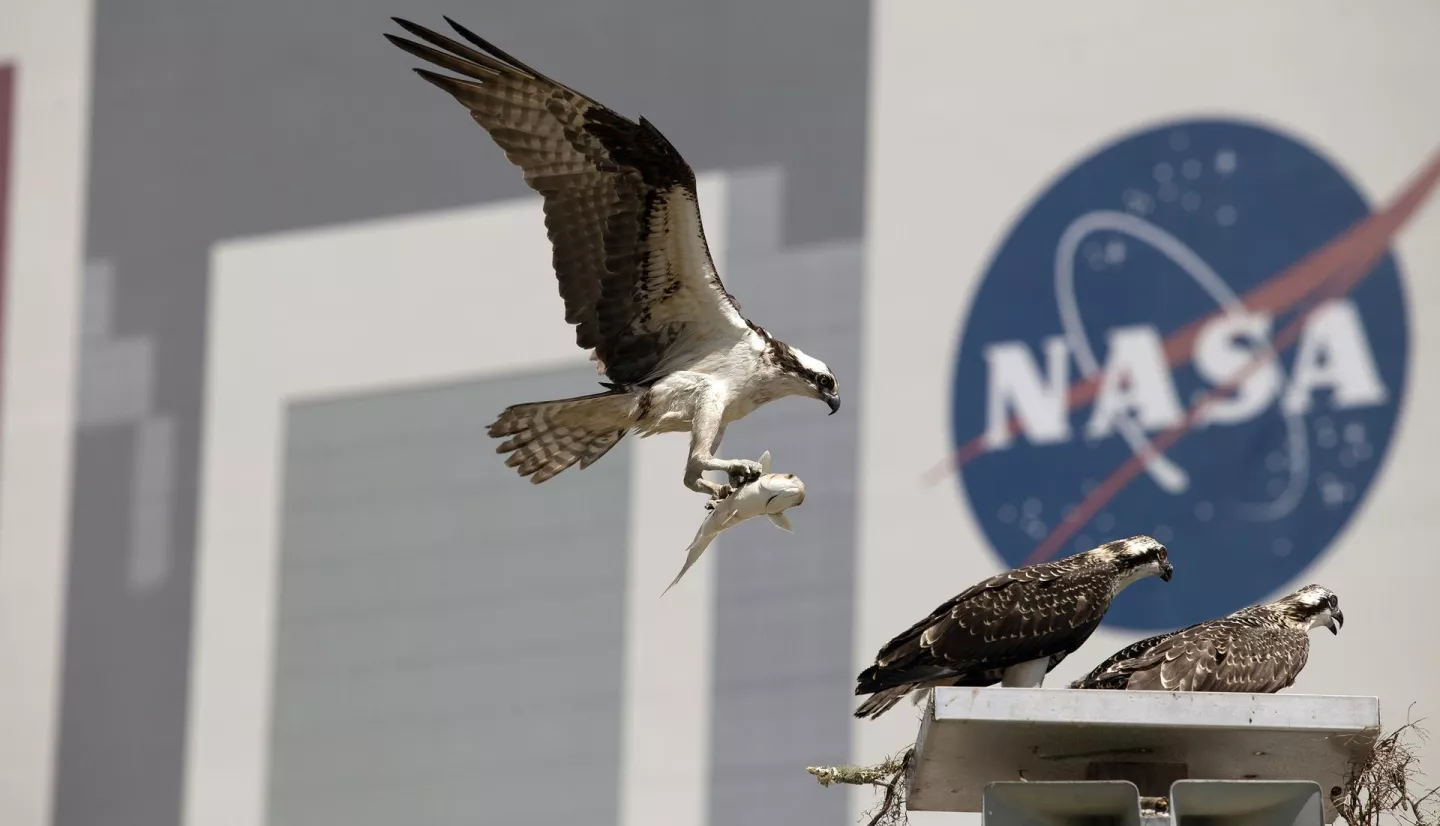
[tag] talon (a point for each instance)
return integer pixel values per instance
(743, 472)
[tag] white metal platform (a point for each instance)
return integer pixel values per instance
(971, 737)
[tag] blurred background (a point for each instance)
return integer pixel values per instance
(264, 289)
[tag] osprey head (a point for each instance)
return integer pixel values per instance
(1312, 607)
(805, 375)
(1139, 556)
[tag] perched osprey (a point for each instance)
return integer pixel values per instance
(1259, 649)
(634, 270)
(1012, 628)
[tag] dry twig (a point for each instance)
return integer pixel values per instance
(1386, 786)
(891, 774)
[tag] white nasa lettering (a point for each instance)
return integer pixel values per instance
(1015, 385)
(1135, 380)
(1334, 353)
(1221, 357)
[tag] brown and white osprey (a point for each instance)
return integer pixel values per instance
(634, 272)
(1012, 628)
(1260, 649)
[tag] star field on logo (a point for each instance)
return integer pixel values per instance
(1206, 307)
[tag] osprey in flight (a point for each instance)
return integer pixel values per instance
(634, 271)
(1012, 628)
(1259, 649)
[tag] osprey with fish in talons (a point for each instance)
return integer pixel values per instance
(770, 495)
(1011, 629)
(1259, 649)
(634, 271)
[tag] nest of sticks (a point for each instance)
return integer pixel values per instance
(1386, 787)
(891, 776)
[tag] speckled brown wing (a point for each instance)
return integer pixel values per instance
(1102, 676)
(629, 248)
(1046, 610)
(1239, 653)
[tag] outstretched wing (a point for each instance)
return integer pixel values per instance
(1039, 611)
(630, 254)
(1236, 653)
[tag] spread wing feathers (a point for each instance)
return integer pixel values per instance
(1045, 610)
(1244, 652)
(629, 249)
(548, 437)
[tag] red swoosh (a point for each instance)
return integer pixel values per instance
(1333, 270)
(1278, 293)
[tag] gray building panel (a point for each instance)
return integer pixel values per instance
(785, 602)
(108, 693)
(215, 120)
(437, 616)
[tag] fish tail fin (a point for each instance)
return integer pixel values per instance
(697, 547)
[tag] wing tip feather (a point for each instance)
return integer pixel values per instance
(445, 82)
(491, 48)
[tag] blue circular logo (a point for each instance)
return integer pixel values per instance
(1183, 337)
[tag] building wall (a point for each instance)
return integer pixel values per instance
(264, 289)
(44, 98)
(432, 624)
(1312, 181)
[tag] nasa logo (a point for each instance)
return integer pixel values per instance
(1197, 333)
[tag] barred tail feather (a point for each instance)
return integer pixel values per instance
(545, 438)
(882, 701)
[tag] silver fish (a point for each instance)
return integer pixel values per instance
(770, 495)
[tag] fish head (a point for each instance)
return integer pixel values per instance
(780, 491)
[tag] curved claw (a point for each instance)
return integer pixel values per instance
(744, 472)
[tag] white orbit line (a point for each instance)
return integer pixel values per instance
(1299, 445)
(1163, 470)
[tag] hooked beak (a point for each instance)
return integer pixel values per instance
(833, 400)
(1166, 571)
(1337, 619)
